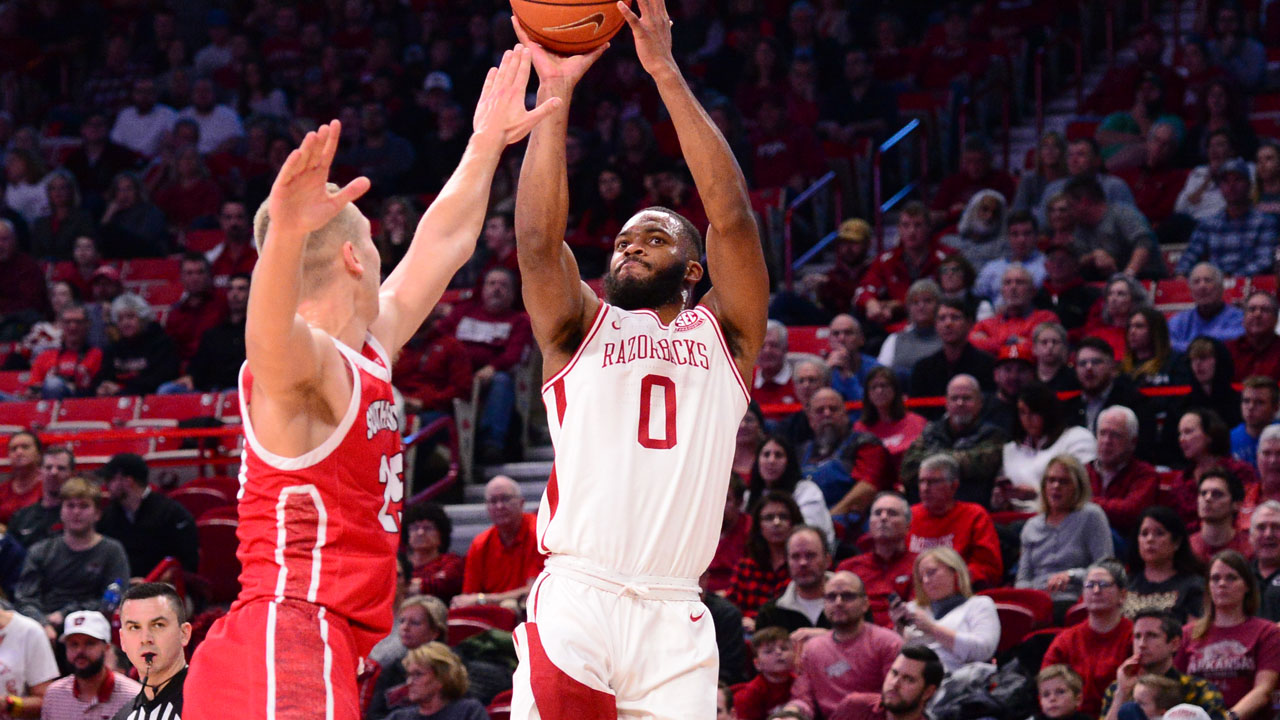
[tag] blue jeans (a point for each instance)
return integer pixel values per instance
(499, 406)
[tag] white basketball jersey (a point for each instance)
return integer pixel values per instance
(644, 419)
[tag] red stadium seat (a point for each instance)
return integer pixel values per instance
(469, 621)
(178, 407)
(500, 707)
(33, 414)
(93, 451)
(229, 407)
(1263, 283)
(1037, 601)
(114, 411)
(1077, 129)
(203, 240)
(199, 500)
(814, 339)
(142, 270)
(228, 486)
(13, 381)
(1172, 291)
(1016, 622)
(1235, 289)
(1075, 615)
(219, 566)
(161, 293)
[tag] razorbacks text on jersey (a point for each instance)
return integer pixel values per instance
(644, 419)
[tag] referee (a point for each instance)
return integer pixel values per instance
(153, 633)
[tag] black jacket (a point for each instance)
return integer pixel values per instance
(160, 528)
(140, 363)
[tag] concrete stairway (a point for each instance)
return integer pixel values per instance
(470, 518)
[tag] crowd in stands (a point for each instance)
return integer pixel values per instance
(1085, 440)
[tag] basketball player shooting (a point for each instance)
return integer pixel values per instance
(644, 394)
(320, 481)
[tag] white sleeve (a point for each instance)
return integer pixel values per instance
(888, 350)
(977, 631)
(38, 663)
(813, 506)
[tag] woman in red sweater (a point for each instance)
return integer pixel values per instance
(434, 570)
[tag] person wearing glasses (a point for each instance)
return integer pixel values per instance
(1231, 646)
(1098, 646)
(946, 616)
(437, 682)
(854, 657)
(503, 560)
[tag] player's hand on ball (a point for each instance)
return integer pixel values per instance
(300, 198)
(554, 68)
(652, 31)
(501, 110)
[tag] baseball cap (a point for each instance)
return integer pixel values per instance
(1020, 351)
(87, 622)
(127, 464)
(1186, 711)
(438, 81)
(855, 229)
(1234, 165)
(106, 271)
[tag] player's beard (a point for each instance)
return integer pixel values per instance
(631, 293)
(901, 706)
(91, 669)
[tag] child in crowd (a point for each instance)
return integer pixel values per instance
(1155, 694)
(775, 661)
(1061, 691)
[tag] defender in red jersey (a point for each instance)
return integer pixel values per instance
(321, 478)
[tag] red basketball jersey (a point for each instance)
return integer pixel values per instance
(324, 527)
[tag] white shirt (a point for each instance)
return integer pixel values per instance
(216, 126)
(977, 627)
(143, 133)
(1025, 466)
(30, 200)
(26, 658)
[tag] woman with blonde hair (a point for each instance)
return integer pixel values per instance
(945, 615)
(1069, 534)
(436, 685)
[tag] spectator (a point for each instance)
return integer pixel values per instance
(1065, 293)
(945, 615)
(1016, 318)
(154, 633)
(1205, 442)
(380, 155)
(79, 271)
(1157, 636)
(54, 234)
(220, 126)
(884, 415)
(976, 173)
(427, 534)
(762, 573)
(800, 604)
(200, 309)
(1109, 318)
(1248, 672)
(938, 520)
(958, 356)
(149, 525)
(918, 340)
(1096, 647)
(735, 529)
(835, 289)
(1110, 237)
(257, 96)
(1211, 386)
(773, 382)
(912, 681)
(23, 297)
(1266, 194)
(37, 521)
(1211, 316)
(143, 357)
(217, 54)
(1101, 387)
(1201, 198)
(132, 226)
(28, 666)
(1051, 165)
(1239, 240)
(849, 467)
(1021, 250)
(861, 106)
(1154, 179)
(71, 571)
(1259, 402)
(1122, 485)
(849, 365)
(807, 377)
(1067, 535)
(855, 656)
(786, 155)
(775, 667)
(956, 276)
(1243, 57)
(1256, 352)
(503, 560)
(1084, 160)
(496, 335)
(1060, 692)
(1148, 48)
(396, 230)
(1268, 487)
(97, 160)
(215, 366)
(25, 176)
(886, 568)
(1149, 359)
(186, 193)
(69, 369)
(777, 468)
(724, 703)
(144, 125)
(979, 235)
(500, 246)
(1050, 348)
(730, 636)
(1123, 134)
(885, 284)
(1041, 435)
(747, 442)
(433, 370)
(1219, 495)
(1264, 536)
(22, 487)
(1166, 574)
(975, 446)
(1015, 369)
(92, 686)
(421, 620)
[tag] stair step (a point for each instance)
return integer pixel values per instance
(530, 489)
(519, 471)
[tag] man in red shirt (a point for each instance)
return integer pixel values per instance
(1096, 647)
(1257, 352)
(772, 383)
(884, 286)
(887, 567)
(912, 681)
(433, 369)
(1017, 318)
(938, 520)
(69, 370)
(200, 308)
(1123, 486)
(1156, 182)
(1220, 494)
(503, 560)
(236, 253)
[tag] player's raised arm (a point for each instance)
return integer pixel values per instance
(446, 234)
(559, 304)
(740, 280)
(281, 349)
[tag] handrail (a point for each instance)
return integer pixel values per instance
(881, 207)
(803, 197)
(1041, 53)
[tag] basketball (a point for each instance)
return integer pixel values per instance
(569, 27)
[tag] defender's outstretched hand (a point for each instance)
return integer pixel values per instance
(300, 199)
(652, 32)
(501, 109)
(552, 67)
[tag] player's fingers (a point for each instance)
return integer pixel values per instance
(594, 55)
(331, 144)
(504, 70)
(291, 166)
(535, 116)
(521, 35)
(629, 16)
(520, 81)
(353, 190)
(306, 151)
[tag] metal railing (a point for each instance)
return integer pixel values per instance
(882, 206)
(808, 195)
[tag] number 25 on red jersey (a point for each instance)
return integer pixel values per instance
(391, 476)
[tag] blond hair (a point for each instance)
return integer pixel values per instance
(1069, 677)
(321, 246)
(948, 558)
(1079, 477)
(79, 488)
(439, 659)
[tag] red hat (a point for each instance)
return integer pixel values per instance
(106, 271)
(1020, 351)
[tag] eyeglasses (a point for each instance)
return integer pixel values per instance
(844, 596)
(1099, 585)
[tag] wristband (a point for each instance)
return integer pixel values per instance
(14, 703)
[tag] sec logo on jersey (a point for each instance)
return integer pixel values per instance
(688, 320)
